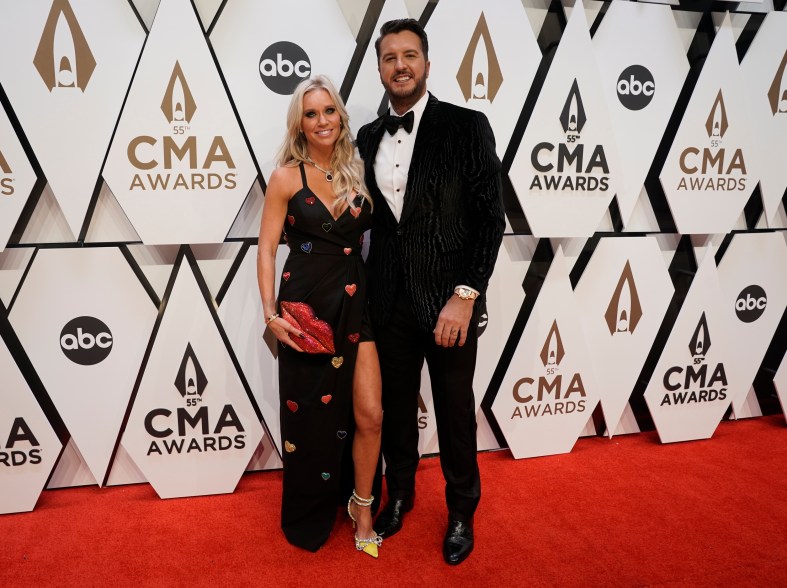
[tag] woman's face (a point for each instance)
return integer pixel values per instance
(321, 122)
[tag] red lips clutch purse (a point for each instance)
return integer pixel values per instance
(317, 334)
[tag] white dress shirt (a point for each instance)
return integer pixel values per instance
(392, 163)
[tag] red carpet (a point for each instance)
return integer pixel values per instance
(622, 512)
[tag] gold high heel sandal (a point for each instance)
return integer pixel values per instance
(371, 544)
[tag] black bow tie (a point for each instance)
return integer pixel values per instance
(392, 123)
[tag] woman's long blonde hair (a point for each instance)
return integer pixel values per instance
(346, 165)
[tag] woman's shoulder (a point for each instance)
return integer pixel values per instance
(285, 179)
(285, 173)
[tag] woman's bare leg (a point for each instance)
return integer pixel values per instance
(368, 411)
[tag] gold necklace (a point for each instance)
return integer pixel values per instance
(328, 173)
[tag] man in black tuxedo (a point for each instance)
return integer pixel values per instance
(434, 176)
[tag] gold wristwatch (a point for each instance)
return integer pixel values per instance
(465, 293)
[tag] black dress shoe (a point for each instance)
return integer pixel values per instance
(458, 542)
(389, 522)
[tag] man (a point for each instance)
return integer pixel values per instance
(438, 223)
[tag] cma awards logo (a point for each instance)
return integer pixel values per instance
(624, 310)
(21, 446)
(635, 87)
(423, 413)
(283, 66)
(550, 393)
(698, 381)
(713, 167)
(178, 104)
(751, 303)
(191, 429)
(6, 180)
(572, 168)
(86, 340)
(479, 74)
(777, 93)
(63, 58)
(179, 159)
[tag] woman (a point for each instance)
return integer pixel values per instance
(327, 360)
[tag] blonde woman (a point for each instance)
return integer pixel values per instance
(328, 366)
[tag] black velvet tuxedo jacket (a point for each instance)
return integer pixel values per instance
(452, 219)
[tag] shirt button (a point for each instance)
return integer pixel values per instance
(397, 189)
(399, 141)
(399, 232)
(397, 165)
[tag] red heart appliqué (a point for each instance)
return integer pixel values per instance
(326, 399)
(310, 200)
(290, 219)
(286, 276)
(348, 250)
(350, 289)
(354, 337)
(293, 406)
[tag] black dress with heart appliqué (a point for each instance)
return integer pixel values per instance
(325, 270)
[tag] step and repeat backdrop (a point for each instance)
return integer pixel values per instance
(641, 284)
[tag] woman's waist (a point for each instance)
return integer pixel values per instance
(306, 247)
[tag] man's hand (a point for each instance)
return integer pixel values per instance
(453, 322)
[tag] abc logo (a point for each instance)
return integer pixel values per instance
(635, 87)
(751, 304)
(283, 66)
(86, 340)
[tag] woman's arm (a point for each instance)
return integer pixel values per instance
(274, 210)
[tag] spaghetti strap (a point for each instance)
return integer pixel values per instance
(303, 175)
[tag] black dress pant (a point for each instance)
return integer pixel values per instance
(403, 346)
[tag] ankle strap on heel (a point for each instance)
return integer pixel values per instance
(361, 501)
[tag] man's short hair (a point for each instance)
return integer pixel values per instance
(399, 25)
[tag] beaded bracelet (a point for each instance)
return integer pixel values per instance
(272, 318)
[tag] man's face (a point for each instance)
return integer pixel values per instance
(403, 68)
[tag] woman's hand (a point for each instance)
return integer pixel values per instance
(285, 332)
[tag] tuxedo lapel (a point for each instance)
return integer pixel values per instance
(375, 134)
(370, 150)
(430, 135)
